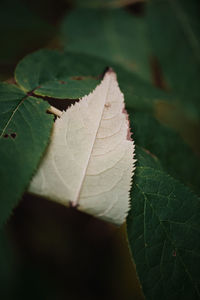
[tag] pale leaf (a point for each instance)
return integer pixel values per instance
(89, 162)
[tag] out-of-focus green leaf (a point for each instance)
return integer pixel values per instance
(20, 30)
(115, 35)
(175, 155)
(163, 231)
(175, 36)
(24, 133)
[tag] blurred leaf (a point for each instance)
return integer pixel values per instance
(163, 231)
(115, 35)
(175, 36)
(24, 133)
(105, 3)
(21, 31)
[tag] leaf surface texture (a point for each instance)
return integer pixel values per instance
(89, 162)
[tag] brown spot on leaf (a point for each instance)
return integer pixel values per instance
(129, 133)
(157, 74)
(6, 136)
(11, 80)
(13, 135)
(174, 253)
(78, 77)
(107, 105)
(86, 77)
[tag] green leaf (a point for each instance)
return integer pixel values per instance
(176, 156)
(175, 36)
(55, 74)
(48, 67)
(24, 134)
(115, 35)
(163, 232)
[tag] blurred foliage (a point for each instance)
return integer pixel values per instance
(115, 35)
(26, 26)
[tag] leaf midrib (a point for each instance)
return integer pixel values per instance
(77, 198)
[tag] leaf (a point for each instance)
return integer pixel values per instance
(115, 35)
(174, 33)
(24, 133)
(47, 65)
(176, 156)
(163, 231)
(89, 162)
(71, 76)
(56, 75)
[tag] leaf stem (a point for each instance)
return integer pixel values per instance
(54, 111)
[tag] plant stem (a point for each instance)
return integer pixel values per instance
(54, 111)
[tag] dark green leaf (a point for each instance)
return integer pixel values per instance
(56, 75)
(115, 35)
(47, 66)
(163, 230)
(175, 155)
(70, 75)
(175, 36)
(25, 130)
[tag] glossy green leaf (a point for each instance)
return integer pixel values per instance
(115, 35)
(24, 133)
(163, 232)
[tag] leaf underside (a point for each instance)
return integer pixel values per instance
(90, 140)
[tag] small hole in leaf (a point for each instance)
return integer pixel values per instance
(13, 135)
(6, 136)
